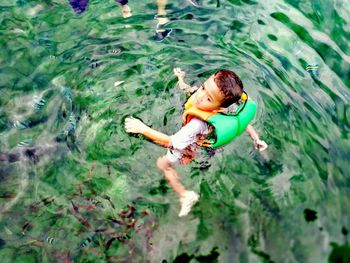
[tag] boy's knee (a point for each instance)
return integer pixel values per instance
(162, 163)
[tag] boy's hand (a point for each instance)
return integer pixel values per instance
(133, 125)
(260, 145)
(179, 73)
(181, 77)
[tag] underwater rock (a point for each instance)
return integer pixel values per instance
(339, 254)
(183, 258)
(5, 172)
(13, 157)
(2, 243)
(161, 189)
(344, 231)
(310, 215)
(212, 257)
(30, 154)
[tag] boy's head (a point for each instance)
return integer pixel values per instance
(230, 85)
(219, 91)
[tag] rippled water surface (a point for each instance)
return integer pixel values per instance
(75, 187)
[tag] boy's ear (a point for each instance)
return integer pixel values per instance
(221, 110)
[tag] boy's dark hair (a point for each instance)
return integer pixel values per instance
(230, 85)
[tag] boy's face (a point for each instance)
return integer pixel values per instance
(208, 97)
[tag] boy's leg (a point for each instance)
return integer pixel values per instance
(171, 175)
(161, 7)
(126, 11)
(187, 198)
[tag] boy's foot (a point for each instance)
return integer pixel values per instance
(187, 201)
(161, 34)
(126, 11)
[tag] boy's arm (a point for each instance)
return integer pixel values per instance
(181, 80)
(133, 125)
(258, 144)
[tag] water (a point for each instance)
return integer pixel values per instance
(74, 186)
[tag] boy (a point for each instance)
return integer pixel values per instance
(217, 93)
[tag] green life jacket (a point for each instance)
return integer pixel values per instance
(227, 126)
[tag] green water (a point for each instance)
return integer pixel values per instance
(74, 186)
